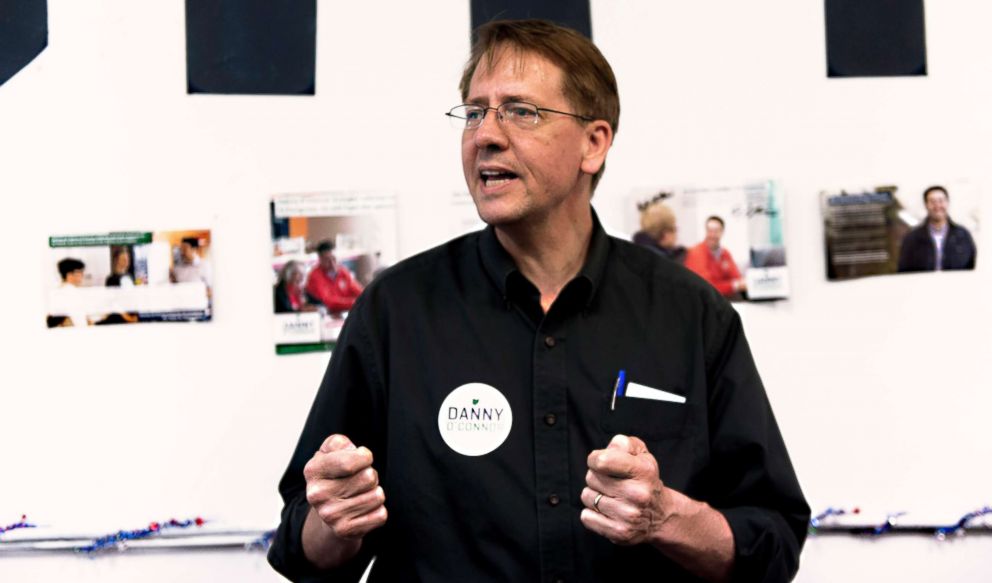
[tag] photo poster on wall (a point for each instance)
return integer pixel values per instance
(326, 248)
(744, 257)
(129, 277)
(894, 228)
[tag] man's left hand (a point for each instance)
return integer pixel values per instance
(634, 502)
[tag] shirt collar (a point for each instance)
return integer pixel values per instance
(500, 267)
(939, 232)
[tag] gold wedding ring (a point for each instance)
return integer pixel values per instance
(595, 503)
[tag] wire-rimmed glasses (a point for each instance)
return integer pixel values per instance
(521, 114)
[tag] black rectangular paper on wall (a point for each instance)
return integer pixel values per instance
(571, 13)
(23, 34)
(251, 46)
(875, 38)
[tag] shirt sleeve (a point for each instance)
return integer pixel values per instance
(733, 272)
(354, 288)
(752, 479)
(327, 291)
(695, 261)
(348, 402)
(317, 285)
(904, 250)
(972, 252)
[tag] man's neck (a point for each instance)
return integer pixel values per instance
(935, 226)
(549, 253)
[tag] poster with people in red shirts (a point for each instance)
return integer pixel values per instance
(326, 248)
(730, 236)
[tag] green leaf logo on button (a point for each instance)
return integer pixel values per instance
(474, 419)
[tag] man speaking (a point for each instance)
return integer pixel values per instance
(539, 401)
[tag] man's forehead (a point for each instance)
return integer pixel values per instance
(514, 73)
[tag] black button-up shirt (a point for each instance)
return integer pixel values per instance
(463, 313)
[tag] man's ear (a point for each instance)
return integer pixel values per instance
(598, 139)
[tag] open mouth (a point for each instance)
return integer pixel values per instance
(496, 177)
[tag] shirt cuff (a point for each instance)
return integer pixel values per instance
(287, 557)
(765, 549)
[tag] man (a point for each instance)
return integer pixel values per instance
(714, 263)
(72, 271)
(73, 274)
(190, 267)
(939, 243)
(331, 283)
(466, 428)
(658, 232)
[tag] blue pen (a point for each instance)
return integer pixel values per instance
(618, 388)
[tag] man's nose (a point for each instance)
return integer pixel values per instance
(491, 132)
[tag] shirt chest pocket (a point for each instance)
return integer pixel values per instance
(647, 419)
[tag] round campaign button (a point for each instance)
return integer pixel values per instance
(474, 419)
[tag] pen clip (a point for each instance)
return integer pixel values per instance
(618, 388)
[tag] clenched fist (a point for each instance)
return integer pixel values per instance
(625, 498)
(343, 489)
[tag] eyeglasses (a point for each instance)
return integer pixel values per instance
(521, 114)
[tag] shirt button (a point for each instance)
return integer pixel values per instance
(550, 419)
(554, 499)
(549, 341)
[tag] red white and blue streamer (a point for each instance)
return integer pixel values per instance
(23, 523)
(822, 524)
(959, 527)
(817, 521)
(119, 539)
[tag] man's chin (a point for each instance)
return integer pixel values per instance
(499, 219)
(496, 214)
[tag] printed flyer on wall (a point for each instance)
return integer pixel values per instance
(129, 277)
(890, 229)
(326, 248)
(730, 236)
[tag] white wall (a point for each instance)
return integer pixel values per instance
(877, 384)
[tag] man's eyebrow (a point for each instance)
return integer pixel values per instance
(506, 99)
(517, 99)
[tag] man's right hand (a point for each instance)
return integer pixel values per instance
(344, 495)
